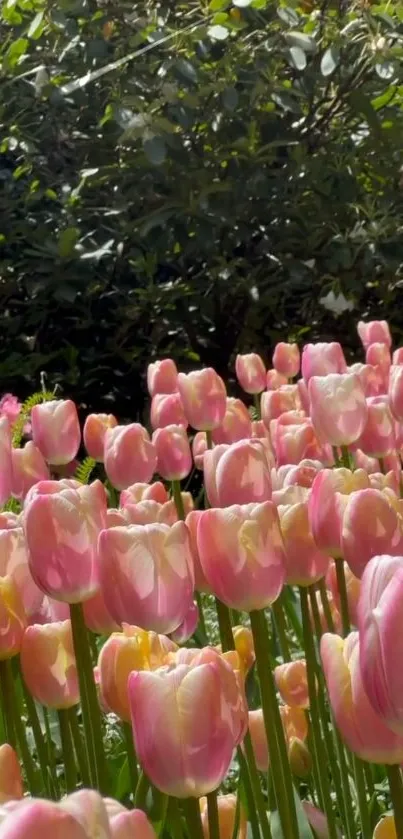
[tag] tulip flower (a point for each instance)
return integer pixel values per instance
(95, 428)
(236, 425)
(12, 618)
(237, 474)
(226, 805)
(370, 526)
(274, 379)
(144, 492)
(56, 430)
(97, 617)
(131, 649)
(318, 821)
(188, 626)
(286, 359)
(379, 621)
(174, 458)
(62, 523)
(167, 409)
(273, 403)
(385, 829)
(353, 587)
(29, 467)
(300, 758)
(132, 824)
(396, 391)
(294, 725)
(204, 398)
(372, 381)
(397, 357)
(88, 808)
(10, 407)
(242, 555)
(328, 498)
(14, 563)
(36, 819)
(192, 523)
(129, 455)
(147, 574)
(322, 359)
(250, 372)
(336, 623)
(11, 787)
(6, 464)
(291, 681)
(188, 748)
(378, 437)
(199, 447)
(291, 441)
(374, 332)
(361, 728)
(162, 377)
(48, 664)
(305, 563)
(378, 355)
(244, 646)
(338, 408)
(302, 474)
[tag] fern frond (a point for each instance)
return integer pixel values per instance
(84, 470)
(11, 506)
(22, 419)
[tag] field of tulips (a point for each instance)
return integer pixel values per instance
(201, 624)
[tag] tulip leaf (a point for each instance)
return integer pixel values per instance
(122, 788)
(304, 829)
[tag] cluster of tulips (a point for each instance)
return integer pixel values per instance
(289, 724)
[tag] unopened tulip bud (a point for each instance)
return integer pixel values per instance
(12, 618)
(378, 437)
(371, 526)
(305, 563)
(29, 467)
(237, 474)
(244, 646)
(322, 359)
(378, 355)
(300, 758)
(162, 377)
(292, 684)
(286, 359)
(204, 398)
(199, 447)
(36, 818)
(130, 455)
(167, 409)
(329, 618)
(274, 380)
(374, 332)
(276, 402)
(372, 381)
(397, 357)
(318, 821)
(6, 464)
(250, 372)
(56, 430)
(385, 829)
(11, 787)
(95, 428)
(236, 425)
(144, 492)
(174, 458)
(132, 824)
(338, 408)
(327, 501)
(226, 805)
(88, 808)
(48, 664)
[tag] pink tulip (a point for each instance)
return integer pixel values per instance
(292, 441)
(273, 403)
(378, 436)
(150, 512)
(237, 474)
(374, 332)
(144, 492)
(303, 395)
(174, 458)
(95, 428)
(88, 808)
(61, 524)
(167, 409)
(11, 788)
(259, 430)
(162, 377)
(192, 523)
(10, 407)
(188, 749)
(6, 464)
(152, 571)
(242, 555)
(303, 474)
(379, 620)
(372, 381)
(370, 526)
(12, 618)
(305, 563)
(56, 430)
(318, 821)
(292, 684)
(204, 398)
(132, 824)
(397, 357)
(322, 359)
(327, 501)
(286, 359)
(50, 611)
(396, 391)
(129, 455)
(250, 372)
(353, 587)
(97, 617)
(336, 623)
(338, 408)
(29, 467)
(36, 819)
(236, 425)
(199, 447)
(14, 563)
(378, 355)
(48, 664)
(188, 626)
(362, 729)
(294, 725)
(274, 379)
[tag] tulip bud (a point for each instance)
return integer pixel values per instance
(276, 402)
(97, 617)
(11, 787)
(56, 430)
(144, 492)
(371, 526)
(88, 808)
(12, 618)
(397, 357)
(372, 381)
(244, 646)
(374, 332)
(305, 563)
(174, 458)
(386, 828)
(353, 587)
(14, 563)
(236, 425)
(95, 428)
(132, 824)
(338, 408)
(6, 464)
(300, 758)
(318, 821)
(378, 436)
(199, 447)
(237, 474)
(396, 391)
(286, 359)
(292, 684)
(378, 355)
(29, 467)
(204, 398)
(167, 409)
(326, 504)
(129, 455)
(322, 359)
(35, 819)
(226, 805)
(162, 377)
(48, 664)
(250, 372)
(188, 626)
(274, 380)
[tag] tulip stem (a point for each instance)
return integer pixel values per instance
(141, 792)
(13, 716)
(40, 744)
(256, 786)
(237, 816)
(396, 792)
(256, 402)
(224, 626)
(174, 819)
(341, 583)
(281, 629)
(326, 605)
(7, 706)
(89, 699)
(246, 783)
(70, 771)
(209, 439)
(345, 457)
(50, 751)
(193, 818)
(314, 709)
(362, 798)
(212, 812)
(282, 779)
(177, 494)
(131, 755)
(78, 747)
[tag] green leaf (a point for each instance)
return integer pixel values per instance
(218, 5)
(298, 58)
(155, 148)
(122, 787)
(17, 49)
(329, 61)
(288, 15)
(36, 27)
(304, 829)
(67, 242)
(230, 98)
(299, 39)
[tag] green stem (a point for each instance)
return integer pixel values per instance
(237, 816)
(209, 439)
(212, 813)
(79, 748)
(336, 455)
(326, 605)
(282, 778)
(345, 457)
(341, 583)
(362, 798)
(33, 721)
(131, 755)
(281, 629)
(202, 621)
(256, 402)
(7, 706)
(174, 819)
(224, 626)
(191, 809)
(18, 726)
(89, 698)
(246, 785)
(141, 792)
(51, 758)
(396, 791)
(256, 786)
(314, 714)
(382, 465)
(70, 772)
(176, 492)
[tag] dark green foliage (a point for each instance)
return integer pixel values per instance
(241, 162)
